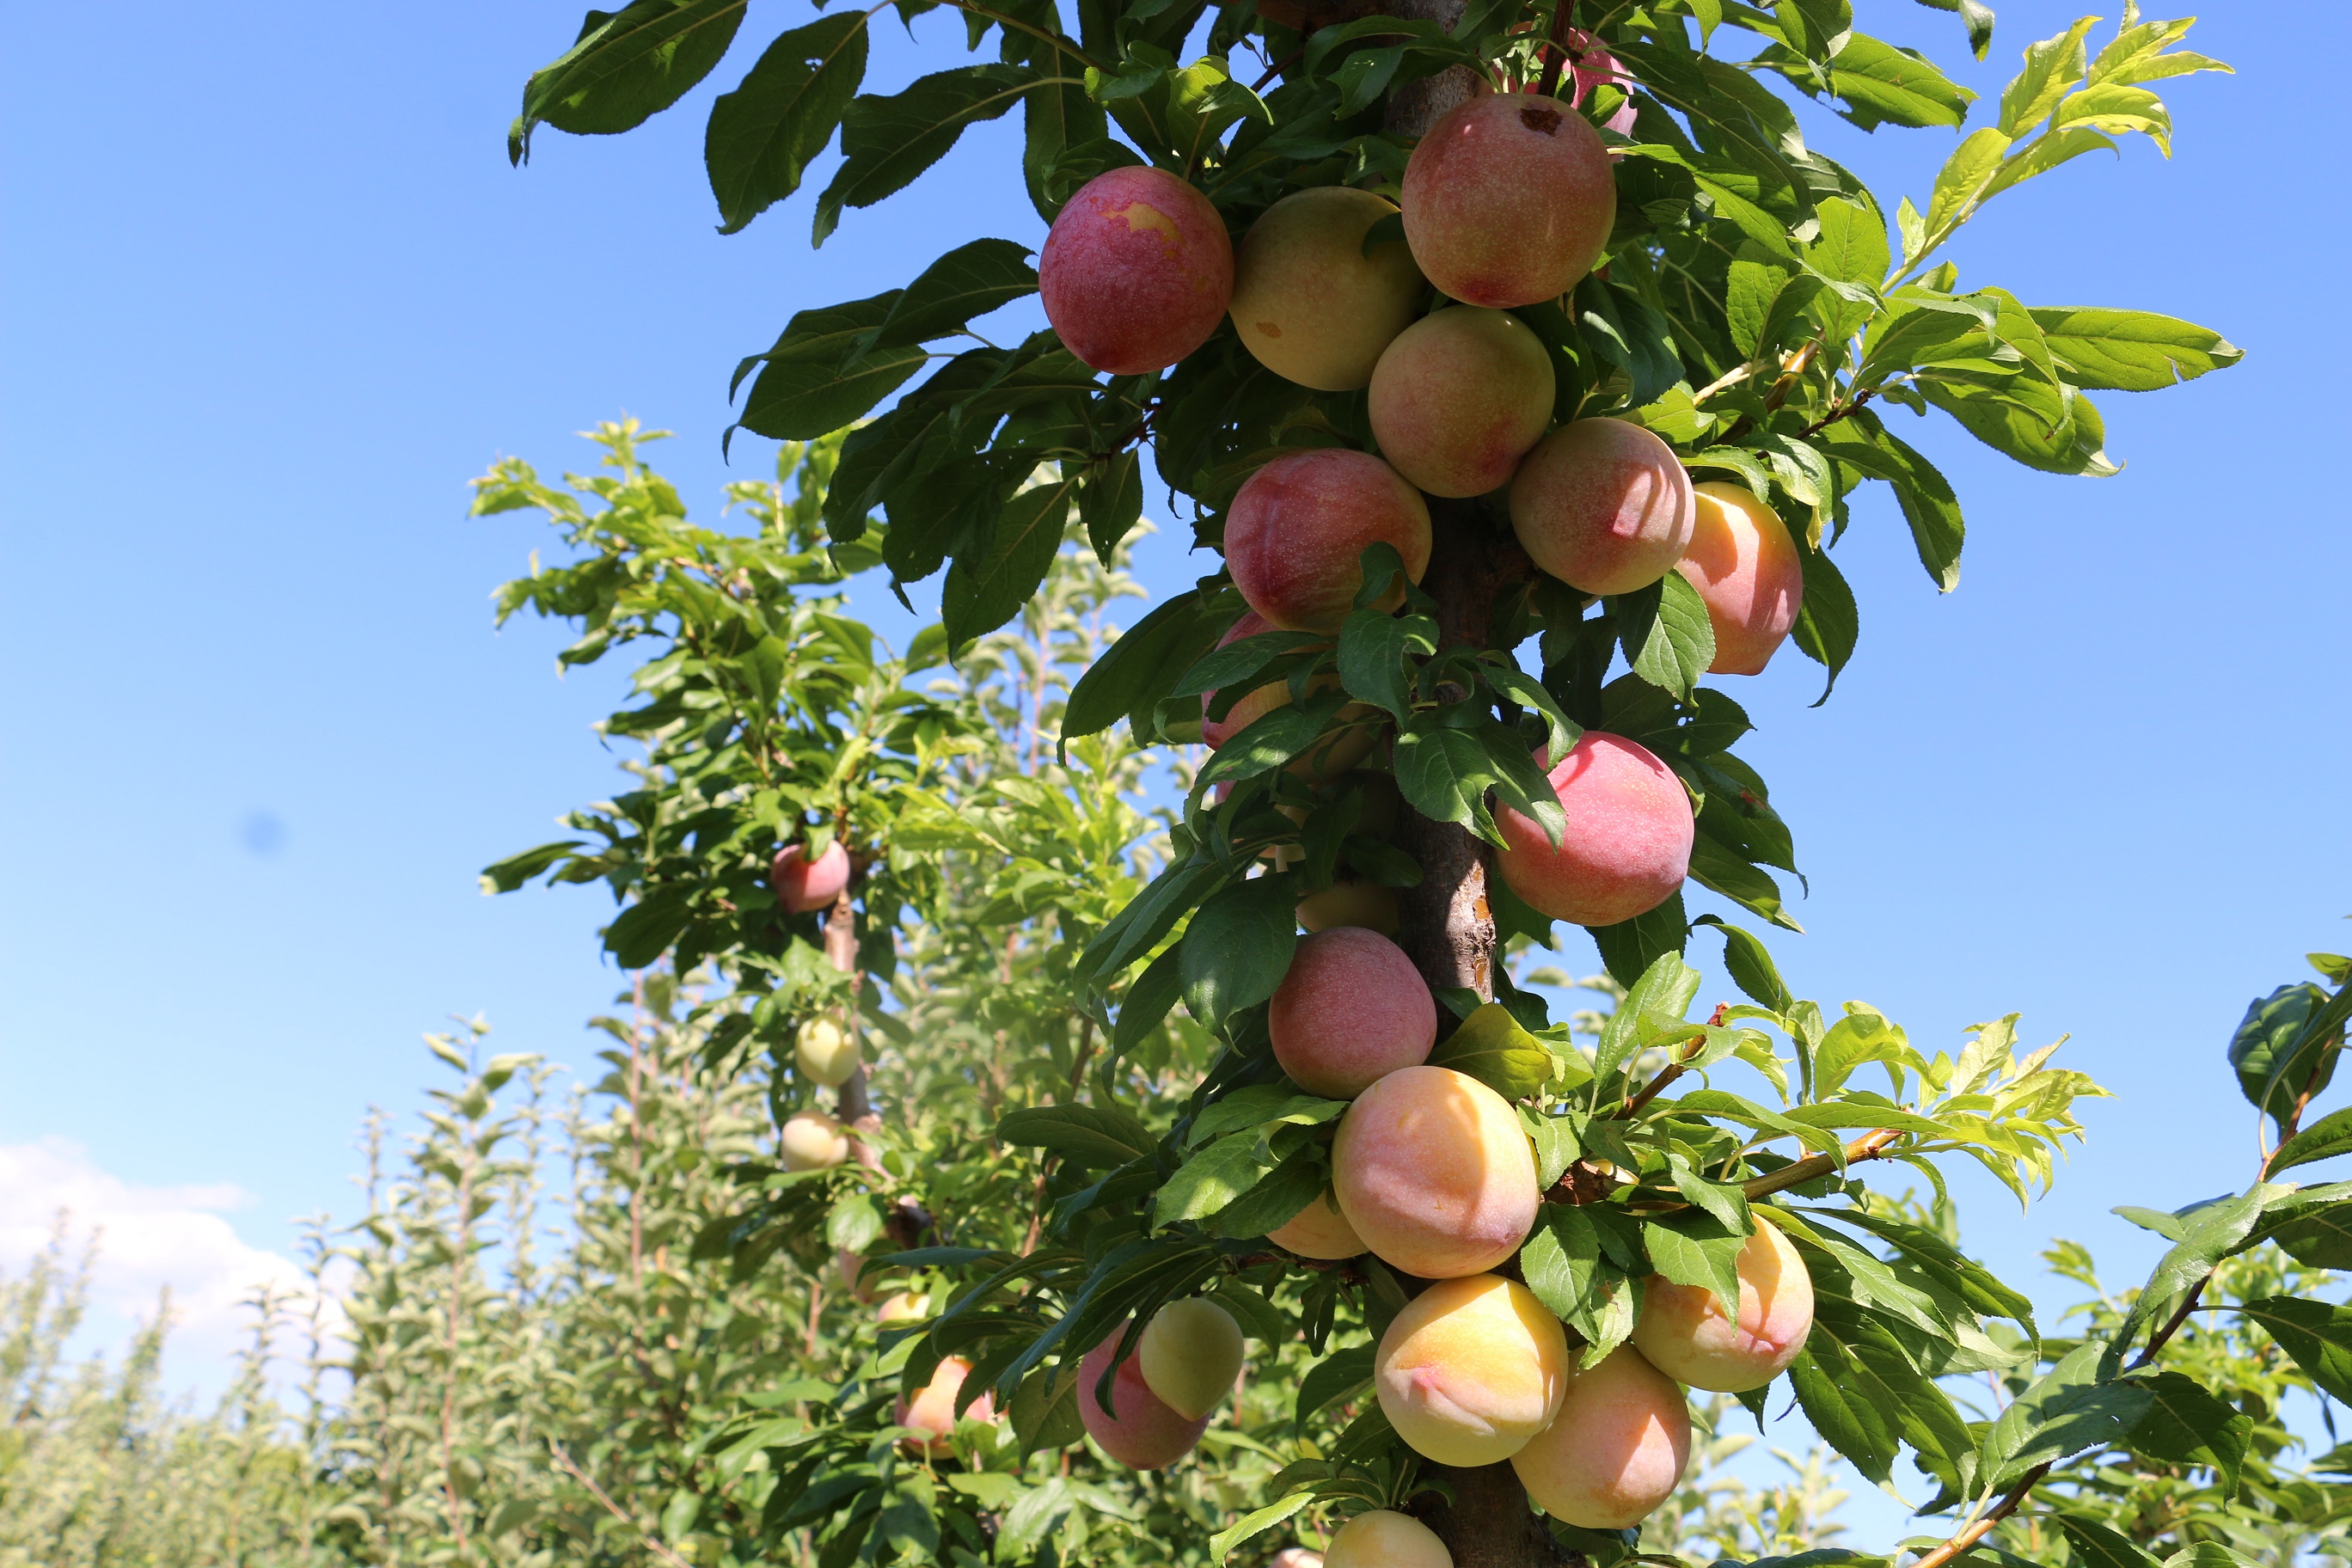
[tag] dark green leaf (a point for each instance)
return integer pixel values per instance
(813, 382)
(2323, 1139)
(2096, 1546)
(1630, 947)
(1089, 1136)
(1371, 661)
(886, 141)
(2316, 1333)
(1137, 669)
(1828, 623)
(763, 136)
(2188, 1424)
(968, 282)
(1490, 1047)
(2067, 1411)
(1332, 1379)
(1699, 1250)
(625, 67)
(983, 592)
(1668, 639)
(1238, 947)
(2277, 1053)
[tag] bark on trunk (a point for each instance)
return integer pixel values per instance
(851, 1102)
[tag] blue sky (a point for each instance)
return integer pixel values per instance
(271, 294)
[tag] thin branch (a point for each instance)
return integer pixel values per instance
(1671, 1071)
(563, 1462)
(1983, 1527)
(1556, 49)
(1869, 1146)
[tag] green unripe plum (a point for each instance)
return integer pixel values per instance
(1603, 505)
(814, 1141)
(1434, 1172)
(825, 1053)
(1471, 1370)
(1140, 1430)
(1350, 901)
(1386, 1539)
(1684, 1334)
(1307, 301)
(1615, 1451)
(1628, 842)
(1508, 200)
(1318, 1231)
(1190, 1353)
(1298, 526)
(1350, 1010)
(1460, 397)
(1744, 563)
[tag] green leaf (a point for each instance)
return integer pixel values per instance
(2096, 1546)
(505, 876)
(2131, 350)
(1490, 1045)
(1137, 668)
(1839, 1403)
(2051, 428)
(1828, 621)
(1238, 947)
(814, 380)
(1886, 85)
(1863, 443)
(2322, 1140)
(1212, 1178)
(886, 141)
(1750, 966)
(981, 593)
(2188, 1424)
(1668, 639)
(1962, 183)
(2067, 1411)
(1331, 1380)
(1373, 646)
(2276, 1052)
(2316, 1334)
(1221, 1545)
(1110, 501)
(1699, 1250)
(625, 67)
(1260, 1104)
(1975, 16)
(1092, 1137)
(1444, 774)
(2313, 1225)
(968, 282)
(2051, 66)
(1561, 1260)
(763, 136)
(1724, 870)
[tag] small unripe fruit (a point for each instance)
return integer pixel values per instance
(1615, 1451)
(933, 1410)
(1350, 1010)
(1318, 1231)
(825, 1054)
(1384, 1538)
(1744, 563)
(1190, 1353)
(849, 1266)
(1628, 842)
(906, 1307)
(814, 1142)
(1299, 524)
(1307, 301)
(1508, 200)
(1140, 1430)
(1350, 901)
(1470, 1369)
(803, 885)
(1682, 1332)
(1137, 270)
(1332, 754)
(1460, 397)
(1603, 505)
(1434, 1172)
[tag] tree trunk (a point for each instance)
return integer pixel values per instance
(851, 1102)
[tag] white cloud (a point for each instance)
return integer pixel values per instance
(148, 1237)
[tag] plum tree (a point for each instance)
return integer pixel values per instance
(932, 1409)
(1140, 1430)
(825, 1053)
(1603, 505)
(1460, 397)
(1331, 754)
(1309, 302)
(1433, 1171)
(1190, 1354)
(1508, 200)
(1299, 523)
(1616, 1448)
(1383, 1538)
(1350, 1010)
(1627, 846)
(803, 884)
(1471, 1370)
(813, 1141)
(1350, 901)
(1318, 1231)
(1137, 270)
(1685, 1333)
(1745, 568)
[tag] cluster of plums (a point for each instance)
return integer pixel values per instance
(1507, 202)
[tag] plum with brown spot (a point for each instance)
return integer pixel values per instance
(1628, 841)
(1137, 270)
(1508, 200)
(1603, 505)
(1350, 1010)
(1298, 526)
(1311, 305)
(1460, 397)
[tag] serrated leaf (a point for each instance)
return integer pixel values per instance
(1561, 1259)
(625, 67)
(1490, 1045)
(2131, 350)
(763, 136)
(1238, 947)
(968, 282)
(986, 588)
(2317, 1334)
(1698, 1250)
(2188, 1424)
(2066, 1412)
(886, 141)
